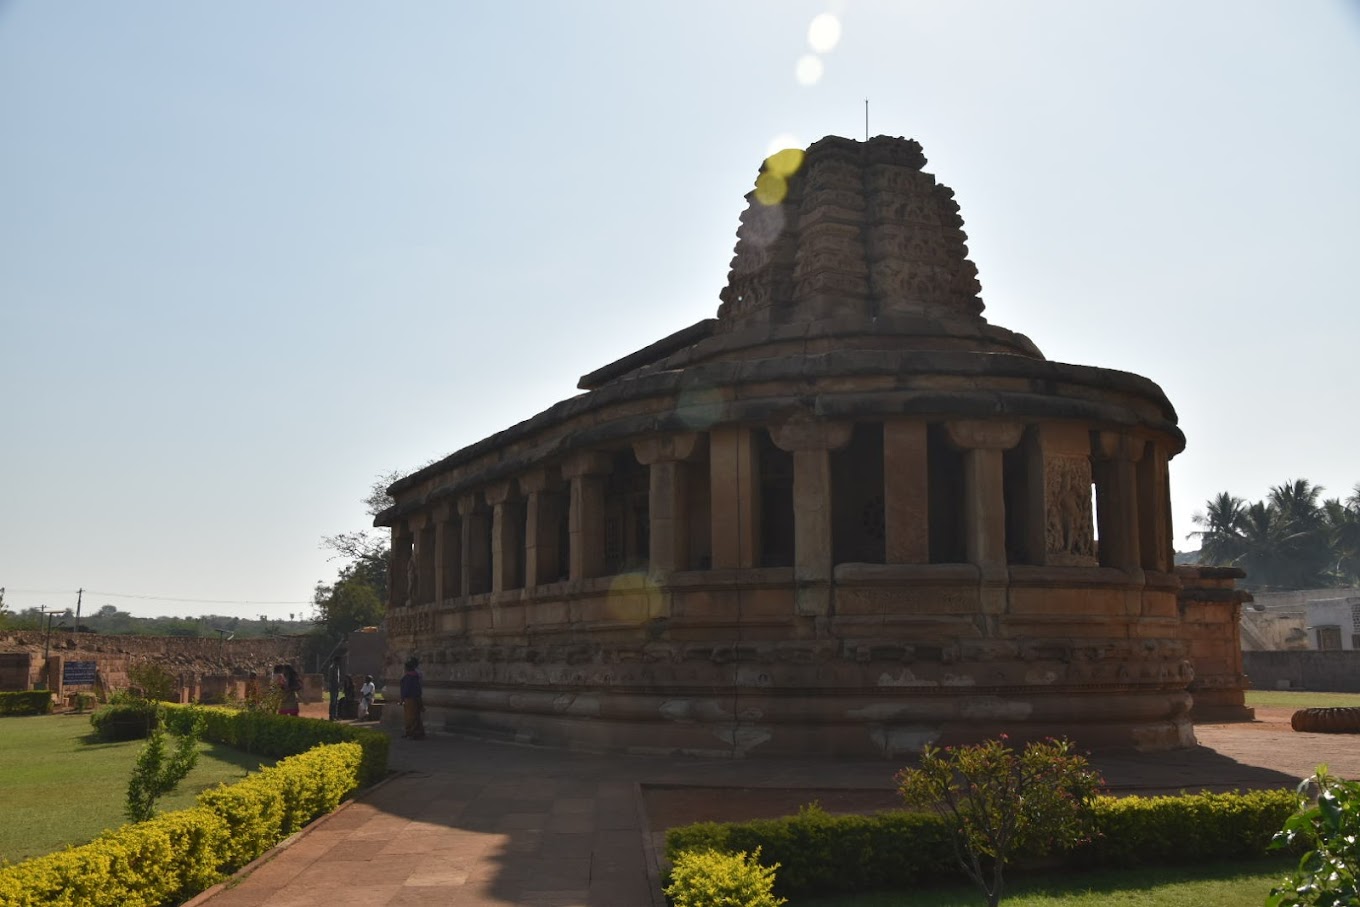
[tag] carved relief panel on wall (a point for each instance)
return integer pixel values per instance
(1070, 530)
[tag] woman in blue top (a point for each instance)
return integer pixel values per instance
(412, 701)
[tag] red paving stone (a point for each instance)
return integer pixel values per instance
(467, 823)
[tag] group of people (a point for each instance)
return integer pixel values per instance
(340, 686)
(286, 678)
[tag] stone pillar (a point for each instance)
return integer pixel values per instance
(541, 561)
(906, 493)
(506, 545)
(398, 574)
(667, 501)
(1117, 502)
(585, 520)
(448, 544)
(422, 530)
(811, 442)
(984, 497)
(1062, 528)
(1155, 542)
(734, 495)
(476, 558)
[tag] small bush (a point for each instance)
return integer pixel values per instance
(127, 719)
(154, 682)
(710, 878)
(157, 773)
(28, 702)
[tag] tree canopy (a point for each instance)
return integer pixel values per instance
(1293, 539)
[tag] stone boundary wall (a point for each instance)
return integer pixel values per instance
(1332, 672)
(193, 658)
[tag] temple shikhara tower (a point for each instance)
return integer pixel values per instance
(845, 516)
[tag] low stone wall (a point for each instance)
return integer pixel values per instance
(1332, 672)
(192, 658)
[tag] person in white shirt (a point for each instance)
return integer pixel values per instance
(366, 693)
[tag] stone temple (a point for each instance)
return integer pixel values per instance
(847, 516)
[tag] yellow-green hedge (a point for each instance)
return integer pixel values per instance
(171, 857)
(282, 735)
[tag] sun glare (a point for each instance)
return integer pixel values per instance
(824, 33)
(809, 70)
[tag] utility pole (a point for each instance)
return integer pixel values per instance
(80, 593)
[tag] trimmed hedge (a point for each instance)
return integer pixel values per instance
(129, 720)
(822, 854)
(171, 857)
(1189, 828)
(282, 735)
(28, 702)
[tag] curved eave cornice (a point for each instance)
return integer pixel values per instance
(708, 394)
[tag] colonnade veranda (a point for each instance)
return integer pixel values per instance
(807, 494)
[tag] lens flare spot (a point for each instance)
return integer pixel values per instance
(771, 188)
(824, 33)
(784, 162)
(809, 70)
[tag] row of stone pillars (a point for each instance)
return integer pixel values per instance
(1030, 482)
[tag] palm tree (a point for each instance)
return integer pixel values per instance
(1305, 550)
(1343, 530)
(1263, 535)
(1221, 538)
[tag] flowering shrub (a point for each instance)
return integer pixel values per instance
(710, 878)
(998, 803)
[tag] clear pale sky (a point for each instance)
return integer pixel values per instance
(254, 254)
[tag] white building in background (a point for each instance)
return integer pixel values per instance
(1312, 619)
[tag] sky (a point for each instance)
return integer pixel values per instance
(254, 255)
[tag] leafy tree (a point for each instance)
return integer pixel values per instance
(349, 604)
(157, 773)
(997, 802)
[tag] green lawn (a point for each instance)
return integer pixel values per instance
(1290, 699)
(1215, 885)
(60, 786)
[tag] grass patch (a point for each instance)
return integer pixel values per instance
(60, 785)
(1213, 885)
(1300, 699)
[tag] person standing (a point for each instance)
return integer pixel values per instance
(366, 694)
(413, 700)
(292, 686)
(333, 685)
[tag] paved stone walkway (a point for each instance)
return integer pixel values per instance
(466, 822)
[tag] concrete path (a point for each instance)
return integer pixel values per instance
(466, 822)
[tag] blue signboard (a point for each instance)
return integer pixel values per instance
(78, 673)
